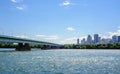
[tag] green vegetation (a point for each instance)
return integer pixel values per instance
(10, 45)
(70, 46)
(37, 46)
(7, 45)
(93, 46)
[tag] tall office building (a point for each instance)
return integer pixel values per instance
(89, 39)
(114, 38)
(118, 38)
(99, 39)
(83, 41)
(78, 41)
(96, 38)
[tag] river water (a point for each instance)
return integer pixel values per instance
(59, 61)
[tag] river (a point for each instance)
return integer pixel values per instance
(59, 61)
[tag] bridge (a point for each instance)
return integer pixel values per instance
(24, 44)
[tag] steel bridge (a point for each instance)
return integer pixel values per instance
(23, 43)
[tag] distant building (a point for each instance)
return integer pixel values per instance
(89, 39)
(96, 38)
(114, 39)
(118, 38)
(99, 39)
(78, 41)
(102, 41)
(83, 41)
(105, 41)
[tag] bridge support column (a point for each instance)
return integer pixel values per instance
(45, 47)
(55, 47)
(27, 47)
(23, 47)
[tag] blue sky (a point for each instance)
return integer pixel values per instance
(60, 21)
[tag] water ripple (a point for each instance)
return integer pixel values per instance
(60, 62)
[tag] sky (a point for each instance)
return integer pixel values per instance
(59, 21)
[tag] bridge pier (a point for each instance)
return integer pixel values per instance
(45, 47)
(55, 47)
(23, 47)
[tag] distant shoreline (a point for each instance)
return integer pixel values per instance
(93, 46)
(111, 46)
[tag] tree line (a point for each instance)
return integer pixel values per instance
(93, 46)
(11, 45)
(70, 46)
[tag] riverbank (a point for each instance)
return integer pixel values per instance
(72, 46)
(93, 46)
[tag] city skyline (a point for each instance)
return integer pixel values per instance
(61, 21)
(96, 39)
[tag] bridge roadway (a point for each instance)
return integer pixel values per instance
(24, 44)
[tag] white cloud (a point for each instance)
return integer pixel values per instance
(22, 7)
(16, 1)
(66, 3)
(110, 34)
(70, 29)
(47, 37)
(115, 33)
(19, 5)
(51, 37)
(22, 36)
(105, 36)
(72, 40)
(69, 41)
(40, 35)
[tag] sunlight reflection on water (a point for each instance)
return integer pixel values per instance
(60, 62)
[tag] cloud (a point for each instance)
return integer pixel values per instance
(110, 34)
(16, 1)
(21, 7)
(69, 41)
(51, 37)
(72, 40)
(70, 29)
(117, 33)
(22, 36)
(47, 37)
(66, 3)
(40, 35)
(105, 36)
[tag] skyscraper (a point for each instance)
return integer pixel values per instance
(89, 39)
(83, 41)
(96, 38)
(114, 38)
(99, 39)
(118, 38)
(78, 41)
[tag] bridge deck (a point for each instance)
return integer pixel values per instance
(4, 38)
